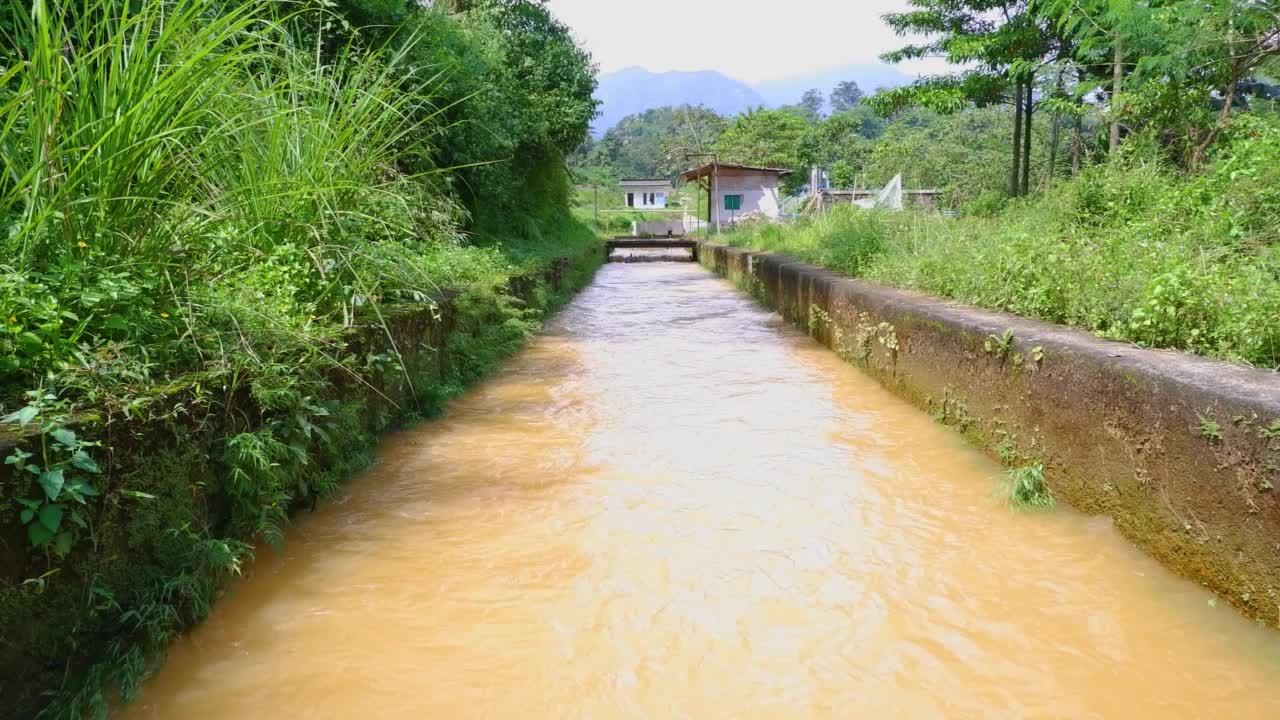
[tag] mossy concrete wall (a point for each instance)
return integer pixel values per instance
(78, 631)
(1182, 452)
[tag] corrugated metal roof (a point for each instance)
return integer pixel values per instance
(705, 170)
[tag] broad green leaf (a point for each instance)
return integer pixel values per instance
(38, 534)
(23, 416)
(64, 436)
(62, 543)
(26, 515)
(51, 516)
(52, 482)
(30, 342)
(82, 461)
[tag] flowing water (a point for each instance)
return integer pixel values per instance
(674, 506)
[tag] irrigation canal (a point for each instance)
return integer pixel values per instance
(673, 506)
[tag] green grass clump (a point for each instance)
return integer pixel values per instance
(1024, 488)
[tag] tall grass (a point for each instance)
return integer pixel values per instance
(1024, 488)
(191, 184)
(845, 239)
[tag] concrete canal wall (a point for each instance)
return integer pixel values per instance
(1182, 452)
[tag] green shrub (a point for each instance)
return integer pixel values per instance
(988, 204)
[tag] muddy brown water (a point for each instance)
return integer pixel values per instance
(673, 506)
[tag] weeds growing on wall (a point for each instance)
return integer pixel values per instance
(1025, 489)
(1131, 250)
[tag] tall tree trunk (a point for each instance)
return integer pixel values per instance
(1224, 117)
(1117, 77)
(1055, 130)
(1016, 168)
(1077, 146)
(1027, 114)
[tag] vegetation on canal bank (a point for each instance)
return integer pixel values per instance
(240, 240)
(1132, 250)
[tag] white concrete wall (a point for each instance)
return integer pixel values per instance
(657, 228)
(641, 201)
(759, 196)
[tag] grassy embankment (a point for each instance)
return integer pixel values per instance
(1132, 251)
(233, 254)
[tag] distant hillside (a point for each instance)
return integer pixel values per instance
(868, 76)
(635, 90)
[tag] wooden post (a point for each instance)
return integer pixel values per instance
(715, 183)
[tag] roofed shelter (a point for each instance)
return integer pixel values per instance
(738, 191)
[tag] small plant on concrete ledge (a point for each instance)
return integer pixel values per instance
(1025, 488)
(1210, 430)
(1270, 432)
(999, 346)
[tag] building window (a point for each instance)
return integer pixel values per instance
(732, 202)
(631, 199)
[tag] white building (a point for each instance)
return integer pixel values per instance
(645, 193)
(738, 191)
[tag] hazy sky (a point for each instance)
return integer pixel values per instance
(752, 40)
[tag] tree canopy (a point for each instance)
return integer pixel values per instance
(845, 95)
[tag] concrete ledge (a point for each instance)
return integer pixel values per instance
(1182, 452)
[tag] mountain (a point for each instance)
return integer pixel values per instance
(869, 77)
(635, 90)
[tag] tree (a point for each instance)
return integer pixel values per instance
(767, 138)
(694, 129)
(812, 102)
(653, 143)
(1002, 43)
(1177, 68)
(512, 90)
(843, 139)
(842, 174)
(845, 96)
(958, 153)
